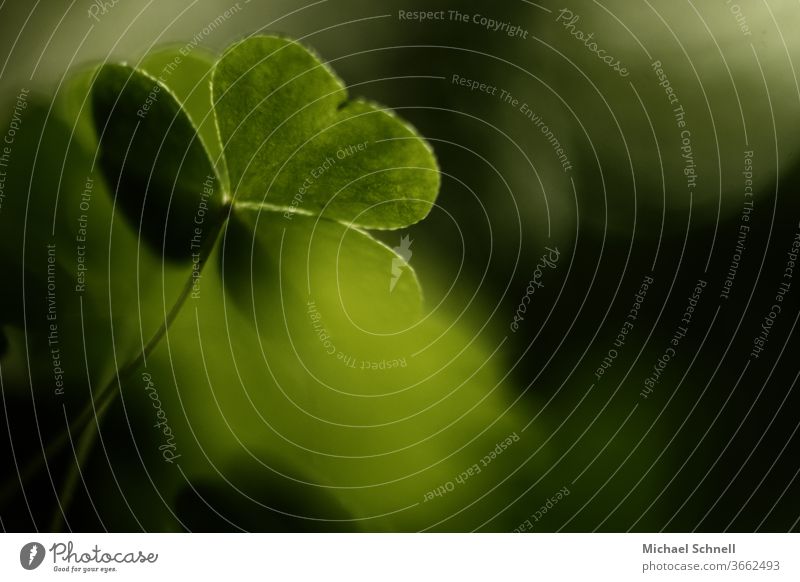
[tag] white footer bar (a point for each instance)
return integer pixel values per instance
(406, 557)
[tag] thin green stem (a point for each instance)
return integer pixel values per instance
(85, 446)
(103, 399)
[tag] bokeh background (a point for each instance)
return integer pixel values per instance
(274, 435)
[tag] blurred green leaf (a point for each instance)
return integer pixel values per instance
(188, 76)
(260, 500)
(70, 261)
(358, 282)
(154, 161)
(288, 396)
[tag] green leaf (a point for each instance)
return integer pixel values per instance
(359, 284)
(263, 501)
(292, 140)
(73, 104)
(153, 160)
(70, 261)
(188, 76)
(375, 423)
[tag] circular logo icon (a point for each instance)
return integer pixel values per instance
(31, 555)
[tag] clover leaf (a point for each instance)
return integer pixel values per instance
(268, 137)
(151, 153)
(293, 140)
(285, 140)
(188, 77)
(259, 161)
